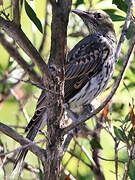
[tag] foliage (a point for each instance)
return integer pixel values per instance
(32, 15)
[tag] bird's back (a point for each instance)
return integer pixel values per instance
(90, 65)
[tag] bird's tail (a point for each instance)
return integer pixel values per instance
(22, 154)
(19, 162)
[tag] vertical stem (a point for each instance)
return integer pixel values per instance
(116, 158)
(97, 170)
(127, 164)
(60, 14)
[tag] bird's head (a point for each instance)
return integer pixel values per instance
(96, 20)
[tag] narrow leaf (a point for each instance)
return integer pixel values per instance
(41, 175)
(131, 134)
(121, 4)
(127, 118)
(32, 15)
(125, 86)
(119, 134)
(1, 147)
(113, 16)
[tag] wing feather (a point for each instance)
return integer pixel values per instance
(40, 109)
(84, 61)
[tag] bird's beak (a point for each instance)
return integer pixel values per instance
(83, 14)
(78, 12)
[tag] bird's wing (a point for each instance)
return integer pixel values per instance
(40, 109)
(84, 61)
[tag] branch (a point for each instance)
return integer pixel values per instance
(83, 149)
(110, 159)
(66, 143)
(97, 170)
(20, 148)
(130, 153)
(60, 14)
(23, 141)
(72, 154)
(85, 117)
(83, 132)
(116, 159)
(16, 12)
(18, 35)
(125, 28)
(26, 166)
(15, 54)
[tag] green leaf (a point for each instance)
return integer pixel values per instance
(95, 144)
(32, 15)
(127, 118)
(121, 4)
(115, 17)
(41, 174)
(131, 171)
(131, 134)
(1, 147)
(119, 134)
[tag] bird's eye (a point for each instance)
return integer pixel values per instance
(98, 16)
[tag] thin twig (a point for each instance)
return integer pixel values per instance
(97, 170)
(2, 166)
(116, 158)
(23, 141)
(66, 143)
(16, 11)
(70, 152)
(26, 165)
(112, 160)
(125, 28)
(130, 151)
(18, 35)
(86, 153)
(21, 147)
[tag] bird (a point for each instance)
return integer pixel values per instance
(88, 69)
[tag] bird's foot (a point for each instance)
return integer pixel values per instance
(74, 118)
